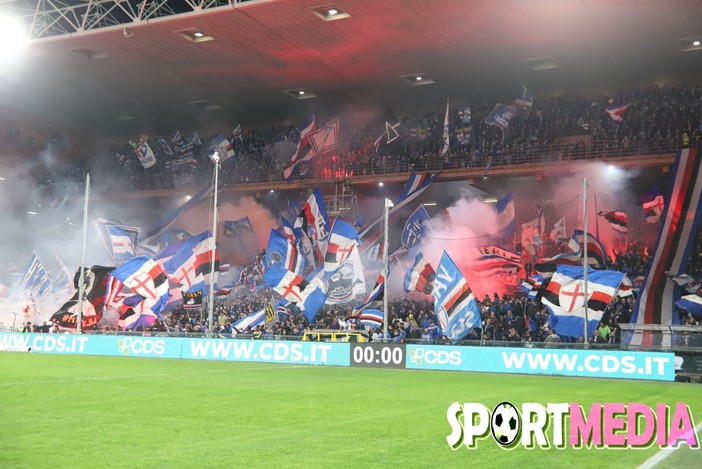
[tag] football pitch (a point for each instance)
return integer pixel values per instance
(84, 411)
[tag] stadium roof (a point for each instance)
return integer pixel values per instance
(112, 67)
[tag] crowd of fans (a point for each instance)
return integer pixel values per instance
(659, 119)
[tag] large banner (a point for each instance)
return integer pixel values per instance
(656, 366)
(587, 363)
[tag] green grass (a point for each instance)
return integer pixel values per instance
(81, 411)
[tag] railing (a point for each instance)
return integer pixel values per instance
(378, 166)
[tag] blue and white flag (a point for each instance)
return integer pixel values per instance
(454, 303)
(501, 115)
(506, 221)
(375, 297)
(139, 288)
(36, 280)
(691, 303)
(415, 186)
(372, 318)
(222, 146)
(420, 277)
(191, 266)
(120, 241)
(309, 297)
(144, 152)
(342, 241)
(525, 100)
(565, 298)
(251, 321)
(418, 225)
(596, 254)
(173, 216)
(281, 251)
(312, 229)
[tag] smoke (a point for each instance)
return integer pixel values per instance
(262, 220)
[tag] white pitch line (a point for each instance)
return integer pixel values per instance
(657, 458)
(149, 375)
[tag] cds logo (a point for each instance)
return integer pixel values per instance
(421, 356)
(140, 346)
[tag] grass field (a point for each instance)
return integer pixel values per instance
(82, 411)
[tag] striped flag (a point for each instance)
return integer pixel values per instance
(372, 318)
(420, 277)
(36, 280)
(303, 151)
(281, 251)
(495, 263)
(454, 303)
(251, 321)
(691, 303)
(596, 254)
(312, 229)
(415, 186)
(676, 239)
(375, 297)
(445, 134)
(565, 297)
(616, 219)
(309, 296)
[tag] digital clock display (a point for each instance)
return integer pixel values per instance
(376, 355)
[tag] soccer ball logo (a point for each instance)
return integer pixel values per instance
(505, 423)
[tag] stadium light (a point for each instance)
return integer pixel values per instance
(13, 37)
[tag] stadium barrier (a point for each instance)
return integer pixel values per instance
(642, 365)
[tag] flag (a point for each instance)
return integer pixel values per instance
(495, 263)
(36, 281)
(375, 297)
(236, 133)
(525, 100)
(691, 303)
(565, 298)
(506, 221)
(414, 187)
(541, 224)
(326, 138)
(533, 285)
(676, 240)
(347, 281)
(445, 134)
(144, 152)
(420, 277)
(222, 146)
(192, 299)
(281, 251)
(531, 240)
(596, 254)
(558, 234)
(168, 221)
(688, 282)
(191, 265)
(120, 241)
(653, 208)
(454, 303)
(391, 134)
(238, 228)
(342, 241)
(616, 111)
(312, 229)
(372, 318)
(501, 115)
(308, 296)
(251, 321)
(303, 151)
(165, 147)
(616, 219)
(287, 230)
(418, 226)
(95, 281)
(139, 280)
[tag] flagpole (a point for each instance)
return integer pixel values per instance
(388, 205)
(585, 262)
(84, 247)
(597, 218)
(210, 303)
